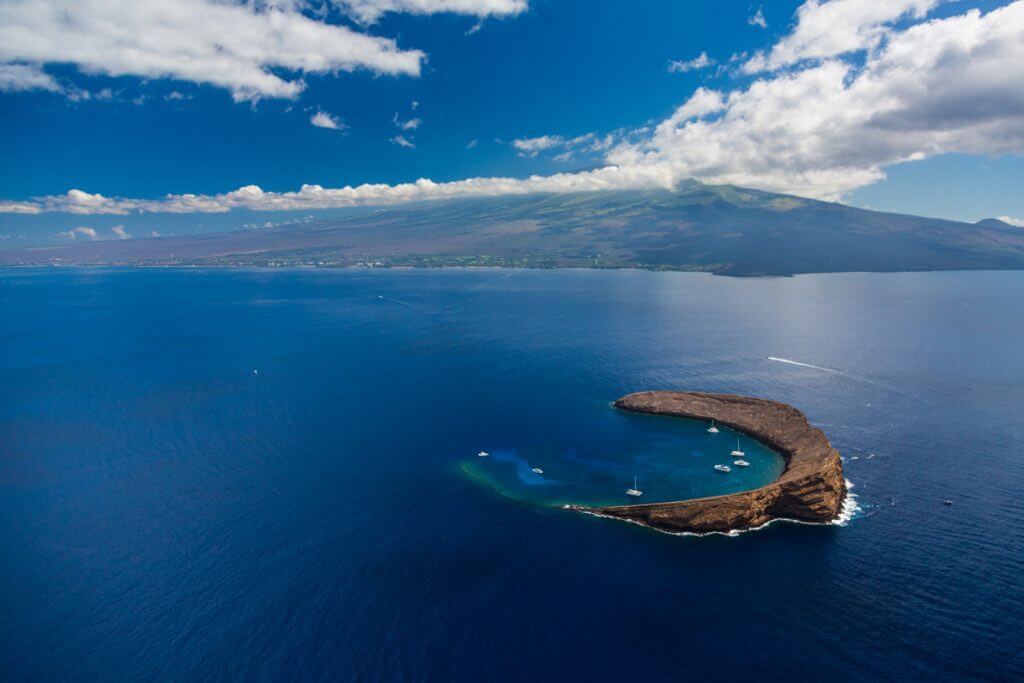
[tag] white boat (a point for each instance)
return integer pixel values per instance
(634, 491)
(537, 470)
(712, 429)
(738, 453)
(741, 463)
(483, 454)
(723, 468)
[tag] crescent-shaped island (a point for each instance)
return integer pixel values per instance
(811, 488)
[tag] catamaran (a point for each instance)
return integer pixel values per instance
(723, 468)
(712, 429)
(738, 453)
(634, 491)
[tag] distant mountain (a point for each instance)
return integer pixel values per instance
(722, 229)
(994, 223)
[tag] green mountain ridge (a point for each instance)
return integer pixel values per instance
(721, 229)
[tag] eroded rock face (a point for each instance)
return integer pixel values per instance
(811, 488)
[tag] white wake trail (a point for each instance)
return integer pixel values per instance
(808, 365)
(841, 373)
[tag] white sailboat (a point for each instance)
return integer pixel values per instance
(634, 491)
(712, 429)
(723, 468)
(738, 453)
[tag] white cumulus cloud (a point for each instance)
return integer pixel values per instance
(120, 232)
(253, 49)
(1018, 222)
(322, 119)
(826, 124)
(837, 27)
(80, 230)
(939, 86)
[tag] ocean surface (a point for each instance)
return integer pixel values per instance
(230, 474)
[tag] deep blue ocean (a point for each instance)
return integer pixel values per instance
(228, 474)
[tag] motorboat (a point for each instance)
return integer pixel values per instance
(723, 468)
(741, 463)
(483, 454)
(537, 470)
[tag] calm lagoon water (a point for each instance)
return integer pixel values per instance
(270, 474)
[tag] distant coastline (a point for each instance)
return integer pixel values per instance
(811, 488)
(724, 230)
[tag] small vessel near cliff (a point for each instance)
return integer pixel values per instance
(738, 453)
(537, 470)
(482, 454)
(741, 463)
(723, 468)
(635, 491)
(712, 429)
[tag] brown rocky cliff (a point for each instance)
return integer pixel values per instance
(810, 489)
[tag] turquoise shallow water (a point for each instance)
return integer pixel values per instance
(269, 475)
(595, 461)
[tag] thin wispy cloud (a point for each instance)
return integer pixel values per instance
(701, 61)
(757, 19)
(402, 141)
(370, 11)
(24, 77)
(566, 147)
(409, 124)
(532, 146)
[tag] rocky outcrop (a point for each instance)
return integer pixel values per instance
(811, 488)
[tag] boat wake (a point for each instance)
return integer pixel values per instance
(806, 365)
(841, 373)
(404, 303)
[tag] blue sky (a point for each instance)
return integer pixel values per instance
(446, 96)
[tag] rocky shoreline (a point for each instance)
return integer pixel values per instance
(811, 488)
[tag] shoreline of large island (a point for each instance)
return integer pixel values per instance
(811, 488)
